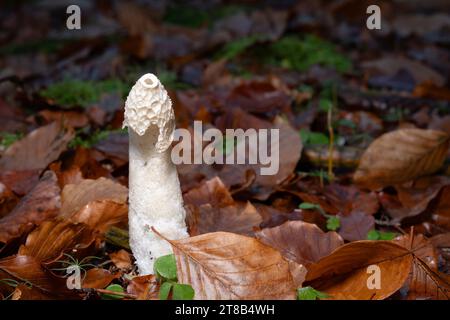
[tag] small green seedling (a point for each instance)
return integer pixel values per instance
(115, 288)
(380, 235)
(333, 222)
(310, 138)
(309, 293)
(166, 271)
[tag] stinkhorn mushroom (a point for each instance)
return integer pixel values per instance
(155, 198)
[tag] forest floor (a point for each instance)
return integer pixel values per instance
(359, 209)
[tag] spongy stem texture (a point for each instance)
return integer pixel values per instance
(155, 198)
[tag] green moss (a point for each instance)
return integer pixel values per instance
(192, 17)
(84, 140)
(236, 47)
(43, 46)
(301, 53)
(70, 93)
(7, 139)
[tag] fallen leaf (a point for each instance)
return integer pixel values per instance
(100, 215)
(355, 226)
(299, 241)
(237, 218)
(400, 156)
(392, 65)
(21, 182)
(413, 199)
(37, 149)
(25, 292)
(344, 274)
(425, 281)
(98, 278)
(42, 203)
(8, 200)
(76, 196)
(48, 242)
(28, 269)
(121, 259)
(210, 208)
(228, 266)
(211, 192)
(290, 147)
(144, 287)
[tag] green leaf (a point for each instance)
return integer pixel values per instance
(313, 138)
(182, 292)
(164, 291)
(7, 139)
(309, 293)
(387, 235)
(325, 104)
(166, 267)
(236, 47)
(380, 235)
(373, 235)
(115, 288)
(333, 223)
(308, 206)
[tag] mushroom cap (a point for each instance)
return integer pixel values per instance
(149, 104)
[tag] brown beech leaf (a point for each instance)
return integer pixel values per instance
(299, 241)
(413, 199)
(222, 265)
(121, 259)
(144, 287)
(98, 278)
(100, 215)
(400, 156)
(26, 268)
(290, 149)
(25, 292)
(344, 273)
(356, 226)
(21, 182)
(212, 192)
(76, 196)
(425, 281)
(8, 200)
(37, 149)
(42, 203)
(47, 242)
(238, 218)
(210, 208)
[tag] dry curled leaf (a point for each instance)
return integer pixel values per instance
(299, 241)
(224, 265)
(47, 242)
(76, 196)
(425, 281)
(28, 269)
(42, 203)
(37, 149)
(144, 287)
(100, 215)
(121, 259)
(98, 278)
(400, 156)
(344, 273)
(211, 208)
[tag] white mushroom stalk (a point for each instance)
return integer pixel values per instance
(155, 198)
